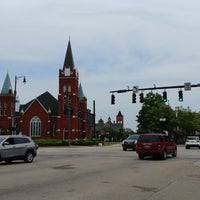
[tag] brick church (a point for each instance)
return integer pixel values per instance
(45, 116)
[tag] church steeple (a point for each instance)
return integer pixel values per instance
(81, 95)
(69, 61)
(7, 88)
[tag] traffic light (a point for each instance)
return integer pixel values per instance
(165, 96)
(134, 98)
(141, 97)
(180, 95)
(112, 99)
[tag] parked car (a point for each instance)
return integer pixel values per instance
(153, 144)
(192, 141)
(17, 147)
(130, 142)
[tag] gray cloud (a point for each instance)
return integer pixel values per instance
(115, 44)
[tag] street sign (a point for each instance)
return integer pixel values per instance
(187, 86)
(135, 89)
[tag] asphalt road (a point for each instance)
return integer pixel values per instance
(96, 173)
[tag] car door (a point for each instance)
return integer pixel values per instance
(169, 144)
(20, 146)
(7, 150)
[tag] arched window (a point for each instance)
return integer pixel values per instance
(35, 127)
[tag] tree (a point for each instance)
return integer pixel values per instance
(188, 121)
(155, 115)
(115, 135)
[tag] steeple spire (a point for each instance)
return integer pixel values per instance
(69, 61)
(80, 92)
(7, 85)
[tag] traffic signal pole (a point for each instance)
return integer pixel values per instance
(187, 86)
(158, 88)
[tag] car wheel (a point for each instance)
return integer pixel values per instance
(29, 157)
(8, 161)
(174, 153)
(141, 156)
(164, 155)
(187, 147)
(124, 149)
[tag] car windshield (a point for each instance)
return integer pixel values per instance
(133, 137)
(192, 138)
(149, 138)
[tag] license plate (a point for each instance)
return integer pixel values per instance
(147, 145)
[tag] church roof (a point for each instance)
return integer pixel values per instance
(119, 114)
(6, 85)
(69, 61)
(48, 101)
(81, 95)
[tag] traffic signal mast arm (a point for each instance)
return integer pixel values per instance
(154, 88)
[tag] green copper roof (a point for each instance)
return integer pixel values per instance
(80, 93)
(7, 85)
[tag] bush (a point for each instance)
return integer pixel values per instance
(51, 142)
(57, 142)
(81, 142)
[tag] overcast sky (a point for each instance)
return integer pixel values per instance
(116, 44)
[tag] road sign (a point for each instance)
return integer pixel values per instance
(135, 89)
(187, 86)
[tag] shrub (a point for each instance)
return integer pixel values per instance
(57, 142)
(51, 142)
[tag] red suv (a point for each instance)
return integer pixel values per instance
(155, 144)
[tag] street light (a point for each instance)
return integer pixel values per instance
(15, 94)
(16, 78)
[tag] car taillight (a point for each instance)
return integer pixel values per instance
(159, 146)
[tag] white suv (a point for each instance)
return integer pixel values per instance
(192, 141)
(17, 147)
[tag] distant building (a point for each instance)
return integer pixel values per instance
(115, 125)
(45, 116)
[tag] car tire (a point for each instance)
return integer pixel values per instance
(29, 157)
(8, 161)
(164, 155)
(140, 156)
(124, 149)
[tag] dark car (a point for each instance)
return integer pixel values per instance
(17, 147)
(154, 144)
(130, 142)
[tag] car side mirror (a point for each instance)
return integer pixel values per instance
(5, 143)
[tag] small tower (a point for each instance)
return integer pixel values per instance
(7, 101)
(120, 119)
(82, 113)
